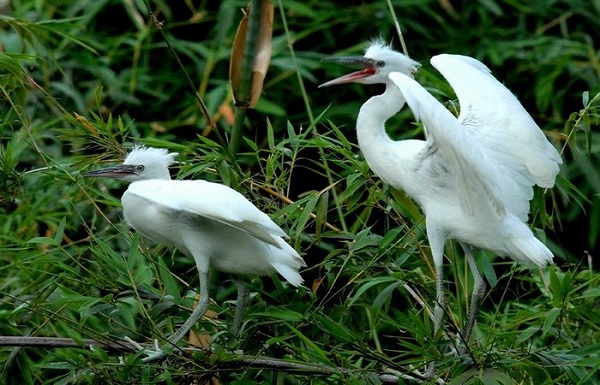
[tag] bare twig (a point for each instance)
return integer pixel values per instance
(251, 362)
(289, 201)
(159, 26)
(60, 342)
(398, 28)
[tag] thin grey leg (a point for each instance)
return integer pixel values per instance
(196, 314)
(438, 310)
(436, 242)
(240, 308)
(479, 290)
(157, 353)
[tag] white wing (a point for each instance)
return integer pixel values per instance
(214, 201)
(460, 153)
(519, 153)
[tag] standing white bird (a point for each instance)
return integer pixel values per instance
(473, 175)
(209, 222)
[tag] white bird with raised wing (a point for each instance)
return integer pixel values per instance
(473, 175)
(209, 222)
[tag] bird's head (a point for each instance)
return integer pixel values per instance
(141, 163)
(378, 62)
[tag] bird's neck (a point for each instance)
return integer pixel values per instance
(162, 174)
(370, 124)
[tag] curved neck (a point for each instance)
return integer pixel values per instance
(370, 124)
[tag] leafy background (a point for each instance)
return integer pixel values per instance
(81, 80)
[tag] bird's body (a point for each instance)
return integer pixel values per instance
(469, 208)
(472, 175)
(209, 222)
(212, 221)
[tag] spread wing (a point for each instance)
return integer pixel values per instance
(456, 148)
(516, 150)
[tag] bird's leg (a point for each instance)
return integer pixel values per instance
(240, 307)
(440, 300)
(440, 303)
(479, 290)
(436, 242)
(158, 353)
(196, 314)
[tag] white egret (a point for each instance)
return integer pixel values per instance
(473, 175)
(209, 222)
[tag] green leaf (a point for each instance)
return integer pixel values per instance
(386, 293)
(336, 329)
(44, 241)
(370, 284)
(281, 314)
(550, 318)
(309, 205)
(495, 377)
(268, 107)
(270, 136)
(526, 334)
(312, 350)
(132, 255)
(364, 239)
(389, 237)
(321, 214)
(168, 281)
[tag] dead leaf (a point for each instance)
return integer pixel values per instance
(251, 55)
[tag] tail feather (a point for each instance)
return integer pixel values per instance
(288, 272)
(287, 262)
(531, 251)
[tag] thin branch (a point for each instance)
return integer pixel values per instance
(159, 25)
(251, 362)
(398, 28)
(289, 201)
(324, 159)
(59, 342)
(307, 368)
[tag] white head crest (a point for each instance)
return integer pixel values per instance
(150, 155)
(155, 161)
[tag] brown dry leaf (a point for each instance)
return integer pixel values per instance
(201, 340)
(246, 95)
(85, 123)
(227, 113)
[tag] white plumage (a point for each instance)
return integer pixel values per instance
(213, 224)
(472, 176)
(209, 222)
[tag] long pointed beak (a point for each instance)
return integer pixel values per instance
(119, 172)
(369, 68)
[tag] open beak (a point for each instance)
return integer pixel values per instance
(119, 172)
(369, 68)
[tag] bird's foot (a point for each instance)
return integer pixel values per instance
(430, 371)
(461, 346)
(157, 353)
(419, 376)
(461, 352)
(455, 350)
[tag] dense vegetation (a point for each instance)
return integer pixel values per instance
(82, 80)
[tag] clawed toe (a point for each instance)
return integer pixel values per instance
(157, 353)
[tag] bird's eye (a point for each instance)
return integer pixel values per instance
(139, 168)
(380, 63)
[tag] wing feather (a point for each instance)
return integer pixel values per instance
(457, 150)
(214, 201)
(519, 153)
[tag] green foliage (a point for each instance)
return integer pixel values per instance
(80, 81)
